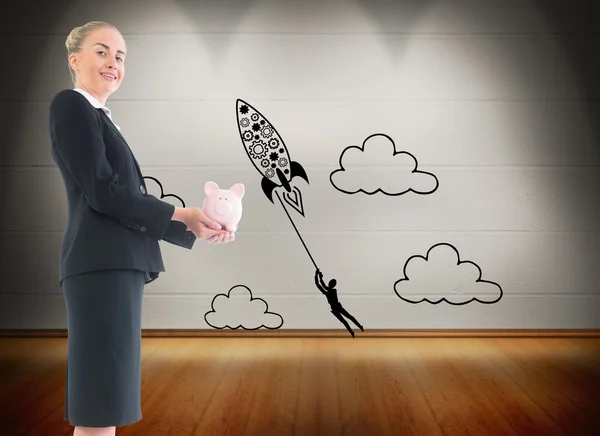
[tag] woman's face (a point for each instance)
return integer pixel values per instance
(100, 65)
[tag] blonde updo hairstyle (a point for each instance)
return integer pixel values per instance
(76, 38)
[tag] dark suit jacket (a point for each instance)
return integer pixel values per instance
(113, 222)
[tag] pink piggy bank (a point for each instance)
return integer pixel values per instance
(224, 205)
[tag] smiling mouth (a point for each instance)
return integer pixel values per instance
(108, 76)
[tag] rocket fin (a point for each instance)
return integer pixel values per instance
(283, 180)
(268, 186)
(297, 170)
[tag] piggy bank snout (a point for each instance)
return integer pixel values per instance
(223, 207)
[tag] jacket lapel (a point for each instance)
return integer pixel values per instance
(114, 128)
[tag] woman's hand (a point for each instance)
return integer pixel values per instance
(200, 224)
(204, 227)
(222, 238)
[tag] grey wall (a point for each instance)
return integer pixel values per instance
(496, 98)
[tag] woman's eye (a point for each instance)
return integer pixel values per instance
(120, 58)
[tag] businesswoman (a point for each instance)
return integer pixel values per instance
(111, 247)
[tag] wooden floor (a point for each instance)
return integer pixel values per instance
(327, 386)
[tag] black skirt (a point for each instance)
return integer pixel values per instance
(104, 321)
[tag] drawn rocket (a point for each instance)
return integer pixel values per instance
(269, 154)
(270, 157)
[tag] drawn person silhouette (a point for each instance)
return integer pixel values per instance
(336, 307)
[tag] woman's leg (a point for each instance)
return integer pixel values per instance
(95, 431)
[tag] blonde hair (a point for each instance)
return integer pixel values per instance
(76, 38)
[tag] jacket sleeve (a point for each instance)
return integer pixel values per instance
(76, 135)
(177, 234)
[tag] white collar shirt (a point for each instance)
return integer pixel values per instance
(94, 102)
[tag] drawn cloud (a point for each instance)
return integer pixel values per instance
(441, 273)
(154, 187)
(239, 309)
(397, 170)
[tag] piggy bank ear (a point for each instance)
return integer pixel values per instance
(210, 189)
(238, 189)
